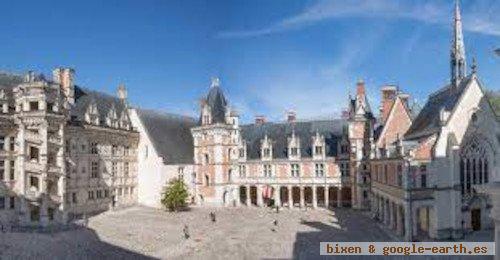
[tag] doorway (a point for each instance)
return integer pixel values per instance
(475, 217)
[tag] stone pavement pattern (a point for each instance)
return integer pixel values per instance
(238, 233)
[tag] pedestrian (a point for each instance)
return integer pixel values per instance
(275, 222)
(277, 209)
(212, 217)
(185, 230)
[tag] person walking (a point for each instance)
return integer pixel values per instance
(185, 230)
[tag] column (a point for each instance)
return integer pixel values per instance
(260, 201)
(327, 201)
(302, 203)
(237, 196)
(391, 215)
(277, 196)
(339, 197)
(315, 197)
(399, 226)
(249, 200)
(414, 221)
(290, 198)
(408, 231)
(44, 215)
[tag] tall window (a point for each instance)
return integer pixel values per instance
(295, 170)
(319, 169)
(243, 171)
(12, 144)
(267, 152)
(2, 142)
(474, 163)
(94, 173)
(423, 180)
(400, 175)
(294, 151)
(242, 153)
(12, 170)
(114, 168)
(268, 170)
(318, 150)
(2, 171)
(93, 148)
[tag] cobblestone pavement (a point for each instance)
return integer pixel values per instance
(238, 233)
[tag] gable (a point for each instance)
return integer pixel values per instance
(397, 123)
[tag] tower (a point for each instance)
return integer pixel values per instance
(215, 145)
(457, 53)
(360, 132)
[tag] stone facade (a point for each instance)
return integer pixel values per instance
(67, 151)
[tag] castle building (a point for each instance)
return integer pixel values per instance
(292, 163)
(427, 180)
(66, 151)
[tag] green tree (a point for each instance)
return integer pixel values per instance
(175, 195)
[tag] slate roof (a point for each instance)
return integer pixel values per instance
(170, 135)
(217, 102)
(428, 120)
(84, 97)
(305, 130)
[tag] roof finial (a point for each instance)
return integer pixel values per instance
(474, 65)
(215, 82)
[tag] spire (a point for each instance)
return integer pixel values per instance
(215, 82)
(457, 61)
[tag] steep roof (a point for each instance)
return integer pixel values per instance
(84, 97)
(305, 130)
(217, 103)
(170, 135)
(428, 120)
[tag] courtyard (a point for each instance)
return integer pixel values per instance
(237, 233)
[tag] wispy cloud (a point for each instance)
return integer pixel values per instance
(481, 16)
(317, 91)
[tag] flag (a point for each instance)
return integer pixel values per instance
(267, 192)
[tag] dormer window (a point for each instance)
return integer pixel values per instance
(318, 150)
(294, 151)
(267, 152)
(242, 153)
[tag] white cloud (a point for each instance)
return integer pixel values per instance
(481, 16)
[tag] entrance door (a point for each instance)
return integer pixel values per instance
(476, 219)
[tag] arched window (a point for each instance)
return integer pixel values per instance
(473, 163)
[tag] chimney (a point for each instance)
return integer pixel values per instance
(64, 77)
(259, 120)
(405, 98)
(360, 87)
(388, 97)
(291, 116)
(122, 92)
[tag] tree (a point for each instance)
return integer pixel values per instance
(175, 195)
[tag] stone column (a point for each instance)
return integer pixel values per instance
(315, 197)
(302, 202)
(290, 197)
(44, 215)
(260, 201)
(399, 227)
(339, 197)
(237, 195)
(414, 221)
(249, 200)
(327, 200)
(277, 196)
(391, 215)
(408, 227)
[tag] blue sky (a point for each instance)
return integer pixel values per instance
(270, 55)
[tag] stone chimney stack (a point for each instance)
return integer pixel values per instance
(388, 96)
(122, 92)
(65, 78)
(405, 99)
(291, 116)
(259, 120)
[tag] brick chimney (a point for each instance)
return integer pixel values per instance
(259, 120)
(405, 99)
(360, 88)
(388, 96)
(291, 116)
(64, 77)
